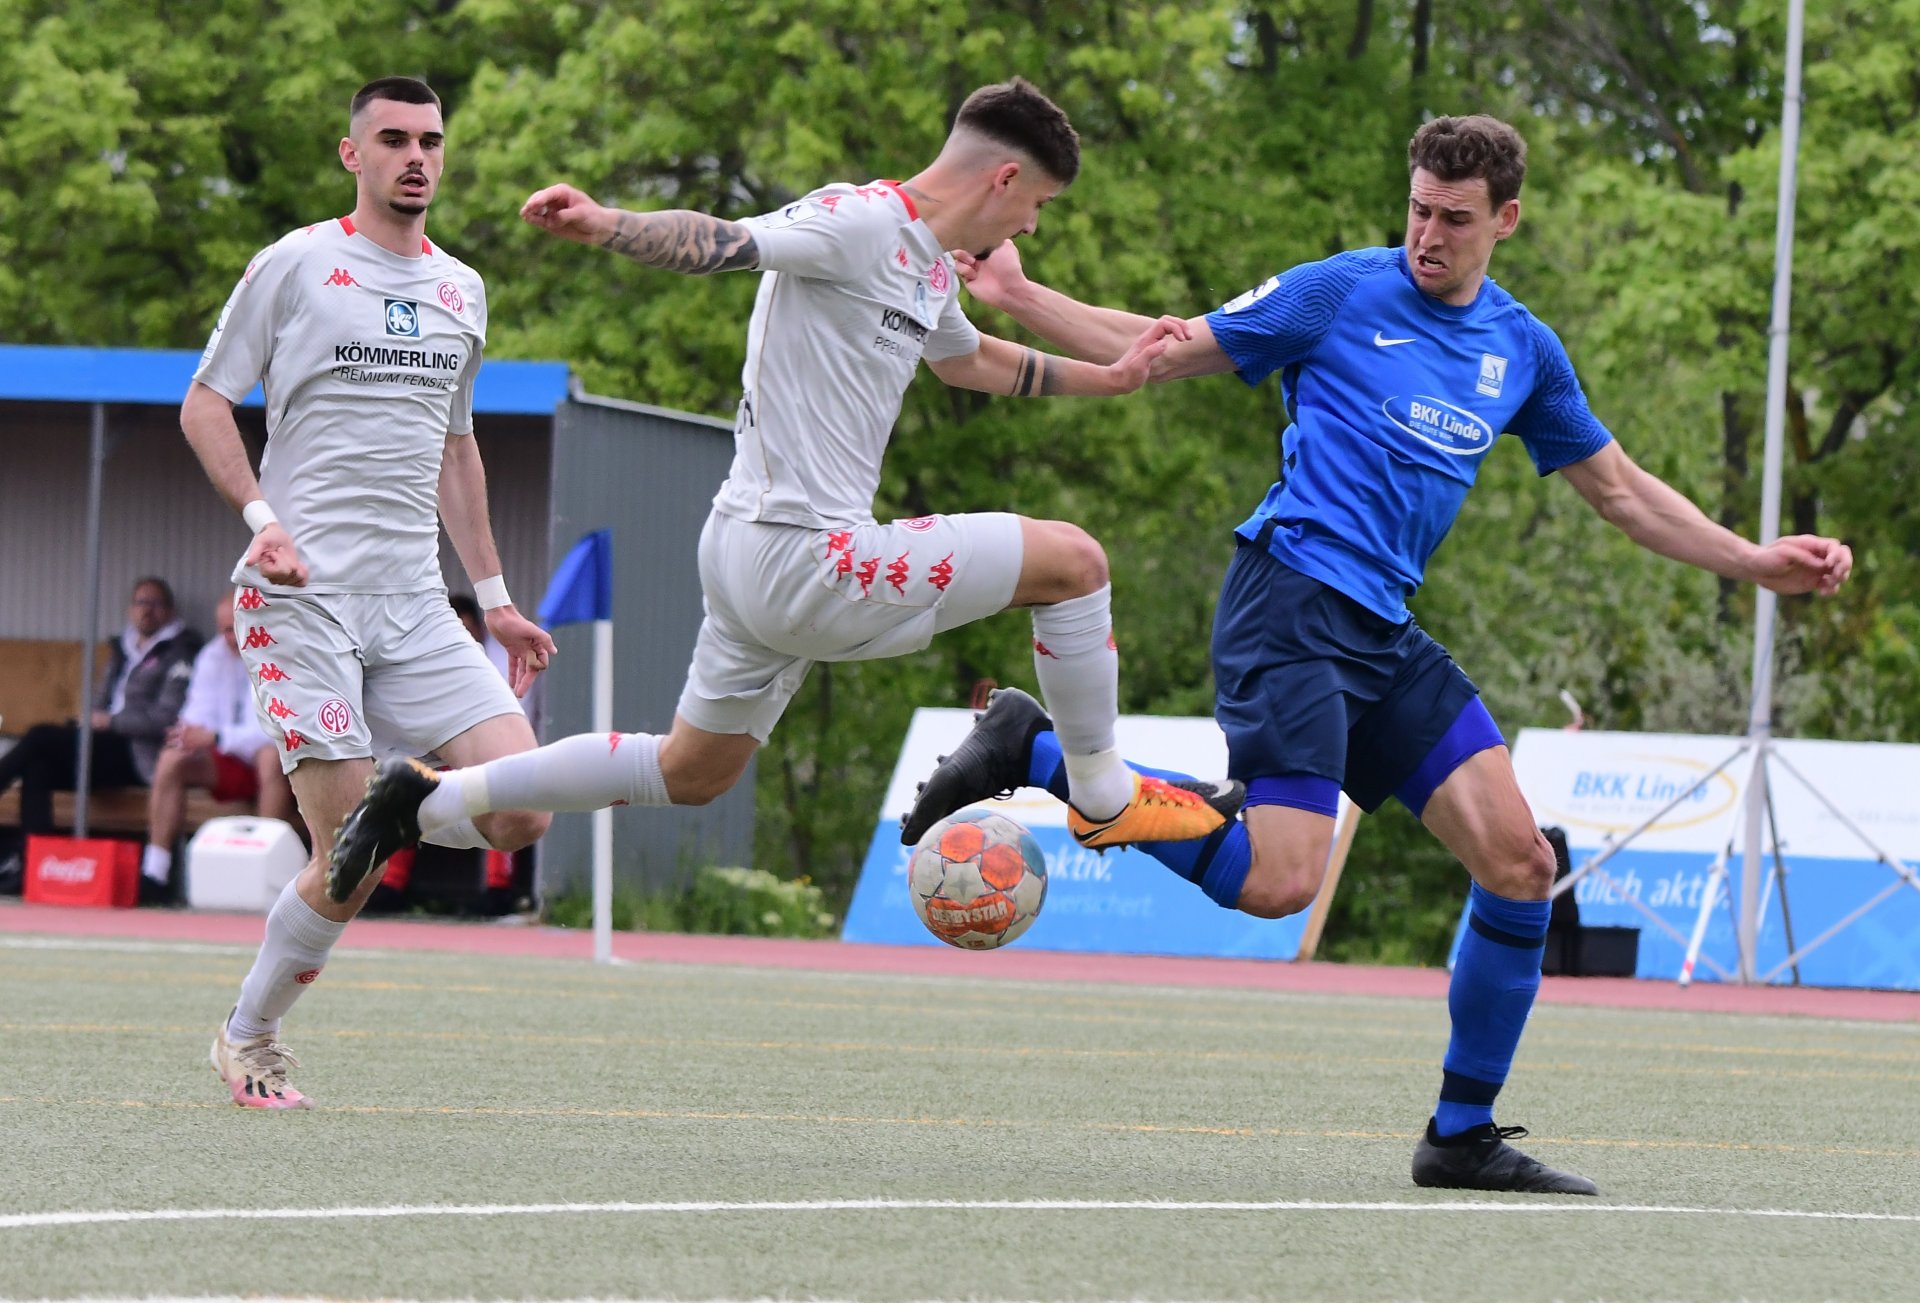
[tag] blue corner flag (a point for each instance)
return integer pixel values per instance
(582, 587)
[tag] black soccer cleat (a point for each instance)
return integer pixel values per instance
(990, 761)
(1480, 1158)
(386, 820)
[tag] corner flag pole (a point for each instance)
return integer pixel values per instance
(581, 592)
(1760, 717)
(603, 817)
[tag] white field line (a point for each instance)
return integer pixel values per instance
(26, 1221)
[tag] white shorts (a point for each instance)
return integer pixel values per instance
(340, 676)
(780, 597)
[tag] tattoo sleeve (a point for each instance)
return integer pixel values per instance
(691, 243)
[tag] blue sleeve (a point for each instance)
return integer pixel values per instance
(1284, 318)
(1555, 423)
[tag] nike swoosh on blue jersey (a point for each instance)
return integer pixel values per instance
(1388, 343)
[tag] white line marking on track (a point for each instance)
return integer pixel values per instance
(23, 1221)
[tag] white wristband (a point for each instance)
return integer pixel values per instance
(258, 515)
(491, 593)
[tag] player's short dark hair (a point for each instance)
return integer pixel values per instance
(154, 581)
(1460, 149)
(407, 90)
(1014, 113)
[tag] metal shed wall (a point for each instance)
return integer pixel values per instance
(649, 475)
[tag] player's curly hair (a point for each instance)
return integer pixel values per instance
(1014, 113)
(1460, 149)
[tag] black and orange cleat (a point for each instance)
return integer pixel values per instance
(990, 761)
(1162, 810)
(386, 820)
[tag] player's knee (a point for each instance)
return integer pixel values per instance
(1085, 561)
(1275, 896)
(509, 830)
(1521, 869)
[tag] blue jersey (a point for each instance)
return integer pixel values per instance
(1396, 398)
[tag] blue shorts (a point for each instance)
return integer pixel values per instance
(1310, 683)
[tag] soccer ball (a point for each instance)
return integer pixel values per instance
(977, 880)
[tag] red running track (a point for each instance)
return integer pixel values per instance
(1017, 962)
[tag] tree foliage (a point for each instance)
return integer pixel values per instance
(147, 149)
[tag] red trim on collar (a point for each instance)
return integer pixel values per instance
(894, 186)
(346, 224)
(424, 246)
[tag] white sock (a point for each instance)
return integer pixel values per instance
(588, 771)
(296, 949)
(156, 862)
(1079, 671)
(464, 835)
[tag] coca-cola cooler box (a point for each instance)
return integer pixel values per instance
(97, 871)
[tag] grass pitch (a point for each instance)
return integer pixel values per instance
(542, 1129)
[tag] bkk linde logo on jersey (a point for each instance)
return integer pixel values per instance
(1439, 424)
(403, 318)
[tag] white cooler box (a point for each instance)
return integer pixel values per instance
(241, 862)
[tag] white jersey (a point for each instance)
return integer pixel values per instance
(855, 291)
(368, 359)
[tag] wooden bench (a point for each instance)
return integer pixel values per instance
(40, 684)
(121, 811)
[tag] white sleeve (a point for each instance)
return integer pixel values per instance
(953, 336)
(202, 708)
(826, 236)
(460, 412)
(237, 354)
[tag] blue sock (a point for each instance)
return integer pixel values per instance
(1495, 979)
(1217, 864)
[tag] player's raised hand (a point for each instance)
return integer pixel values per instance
(1136, 364)
(568, 213)
(529, 647)
(1804, 563)
(273, 554)
(994, 279)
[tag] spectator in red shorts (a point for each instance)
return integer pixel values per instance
(217, 744)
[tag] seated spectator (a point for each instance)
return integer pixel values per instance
(216, 744)
(141, 695)
(469, 612)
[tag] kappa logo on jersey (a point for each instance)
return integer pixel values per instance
(335, 717)
(937, 277)
(1252, 296)
(341, 276)
(1493, 374)
(1438, 424)
(451, 297)
(900, 256)
(403, 318)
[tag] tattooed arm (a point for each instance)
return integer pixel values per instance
(687, 242)
(1001, 367)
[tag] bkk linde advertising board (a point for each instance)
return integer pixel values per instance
(1600, 786)
(1123, 902)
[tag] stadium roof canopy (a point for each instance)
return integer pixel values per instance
(51, 373)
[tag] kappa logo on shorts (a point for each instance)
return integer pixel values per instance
(271, 673)
(897, 571)
(257, 636)
(865, 574)
(941, 573)
(250, 600)
(335, 717)
(280, 710)
(295, 741)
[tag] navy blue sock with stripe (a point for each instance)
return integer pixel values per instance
(1495, 978)
(1217, 864)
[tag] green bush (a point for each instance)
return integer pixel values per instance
(730, 901)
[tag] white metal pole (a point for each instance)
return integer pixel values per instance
(1760, 718)
(603, 818)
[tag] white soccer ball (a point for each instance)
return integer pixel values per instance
(977, 880)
